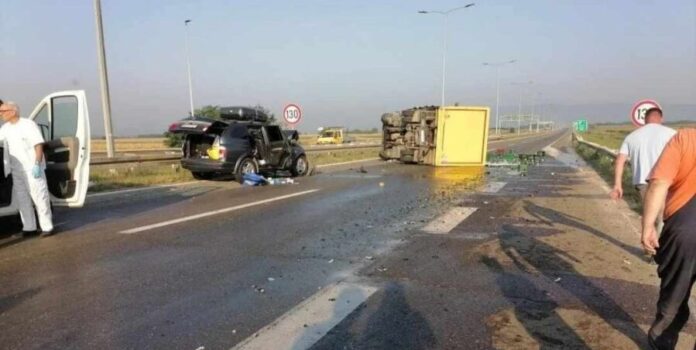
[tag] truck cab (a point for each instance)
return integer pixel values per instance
(332, 136)
(63, 118)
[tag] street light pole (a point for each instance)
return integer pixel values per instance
(188, 66)
(497, 66)
(445, 14)
(519, 106)
(104, 80)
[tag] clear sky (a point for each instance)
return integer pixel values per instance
(347, 62)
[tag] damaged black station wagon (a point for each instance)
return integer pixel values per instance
(241, 142)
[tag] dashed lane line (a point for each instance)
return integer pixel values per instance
(449, 220)
(214, 212)
(308, 322)
(493, 187)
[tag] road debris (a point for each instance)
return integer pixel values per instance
(271, 279)
(558, 279)
(331, 261)
(369, 258)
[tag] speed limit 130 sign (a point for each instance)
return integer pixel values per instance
(292, 114)
(639, 109)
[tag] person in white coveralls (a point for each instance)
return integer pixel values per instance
(29, 187)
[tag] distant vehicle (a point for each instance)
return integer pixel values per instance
(63, 118)
(333, 135)
(241, 142)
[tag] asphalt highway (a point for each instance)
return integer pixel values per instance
(209, 264)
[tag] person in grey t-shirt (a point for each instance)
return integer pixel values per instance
(642, 148)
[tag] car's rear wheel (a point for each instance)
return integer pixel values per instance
(246, 166)
(202, 175)
(300, 167)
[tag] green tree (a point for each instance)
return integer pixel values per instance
(271, 117)
(208, 111)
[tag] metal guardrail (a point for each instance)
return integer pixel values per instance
(597, 147)
(174, 157)
(164, 158)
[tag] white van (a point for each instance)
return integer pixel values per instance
(64, 122)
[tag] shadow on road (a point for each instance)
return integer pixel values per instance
(393, 324)
(10, 301)
(533, 256)
(551, 217)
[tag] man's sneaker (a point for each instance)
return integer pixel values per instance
(47, 233)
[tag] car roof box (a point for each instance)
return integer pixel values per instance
(243, 114)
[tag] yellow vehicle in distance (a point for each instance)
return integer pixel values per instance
(333, 135)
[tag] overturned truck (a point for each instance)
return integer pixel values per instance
(447, 136)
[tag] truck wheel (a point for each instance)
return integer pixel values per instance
(201, 176)
(246, 166)
(300, 167)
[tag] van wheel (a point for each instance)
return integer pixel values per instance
(201, 176)
(246, 166)
(300, 167)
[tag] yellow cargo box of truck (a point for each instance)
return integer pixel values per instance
(462, 136)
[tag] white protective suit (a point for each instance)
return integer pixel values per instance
(21, 138)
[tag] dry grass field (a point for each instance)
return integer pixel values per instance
(612, 135)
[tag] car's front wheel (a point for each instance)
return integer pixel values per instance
(246, 166)
(300, 167)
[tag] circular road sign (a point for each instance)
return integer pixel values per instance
(292, 114)
(639, 109)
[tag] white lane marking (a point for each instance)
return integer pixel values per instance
(493, 187)
(308, 322)
(113, 193)
(346, 163)
(449, 220)
(214, 212)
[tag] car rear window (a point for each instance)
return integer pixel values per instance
(237, 131)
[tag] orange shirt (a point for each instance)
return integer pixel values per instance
(677, 164)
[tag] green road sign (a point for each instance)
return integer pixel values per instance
(581, 125)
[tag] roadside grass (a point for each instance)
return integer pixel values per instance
(108, 178)
(604, 165)
(613, 135)
(131, 175)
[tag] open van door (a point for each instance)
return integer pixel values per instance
(64, 122)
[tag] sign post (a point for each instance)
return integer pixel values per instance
(638, 112)
(292, 114)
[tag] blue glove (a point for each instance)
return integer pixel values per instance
(36, 171)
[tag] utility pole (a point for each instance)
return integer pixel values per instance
(104, 81)
(188, 66)
(445, 14)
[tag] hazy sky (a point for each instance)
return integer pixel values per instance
(346, 62)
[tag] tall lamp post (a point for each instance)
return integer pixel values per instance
(104, 80)
(445, 14)
(188, 65)
(519, 106)
(497, 66)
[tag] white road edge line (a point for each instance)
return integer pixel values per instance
(214, 212)
(308, 322)
(346, 163)
(449, 220)
(113, 193)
